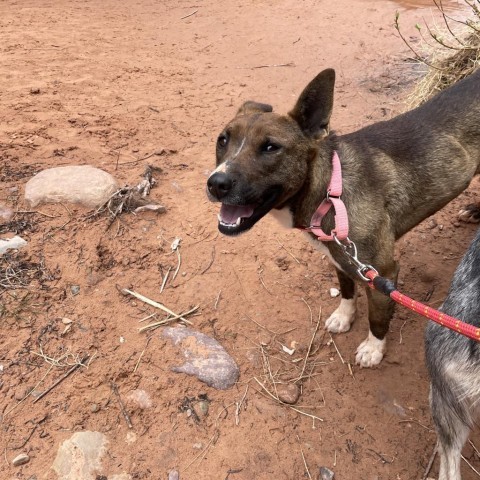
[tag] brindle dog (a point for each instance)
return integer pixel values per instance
(395, 174)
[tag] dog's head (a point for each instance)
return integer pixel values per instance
(263, 158)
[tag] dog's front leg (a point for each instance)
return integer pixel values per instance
(342, 318)
(380, 311)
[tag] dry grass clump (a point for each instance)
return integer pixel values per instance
(452, 52)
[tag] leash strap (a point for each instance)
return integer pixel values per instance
(332, 199)
(388, 288)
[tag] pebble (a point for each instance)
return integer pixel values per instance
(334, 292)
(204, 357)
(75, 289)
(173, 475)
(21, 459)
(326, 474)
(94, 407)
(289, 393)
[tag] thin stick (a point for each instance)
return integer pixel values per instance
(217, 300)
(430, 463)
(168, 320)
(338, 351)
(290, 253)
(471, 466)
(239, 406)
(148, 316)
(39, 212)
(122, 406)
(141, 355)
(179, 262)
(165, 279)
(211, 262)
(309, 309)
(309, 350)
(189, 15)
(202, 453)
(305, 463)
(154, 304)
(62, 378)
(289, 64)
(401, 328)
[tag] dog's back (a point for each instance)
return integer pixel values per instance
(453, 363)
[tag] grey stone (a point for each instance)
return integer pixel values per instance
(79, 457)
(205, 358)
(12, 243)
(173, 475)
(83, 184)
(326, 474)
(21, 459)
(75, 289)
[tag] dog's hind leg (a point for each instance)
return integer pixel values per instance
(342, 318)
(380, 311)
(452, 433)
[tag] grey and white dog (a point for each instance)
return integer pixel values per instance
(453, 363)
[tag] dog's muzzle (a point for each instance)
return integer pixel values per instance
(219, 185)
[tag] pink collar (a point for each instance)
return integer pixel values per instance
(334, 191)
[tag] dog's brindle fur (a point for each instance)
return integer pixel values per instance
(453, 363)
(395, 174)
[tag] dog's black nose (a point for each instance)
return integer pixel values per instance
(219, 184)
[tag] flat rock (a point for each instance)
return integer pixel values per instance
(83, 184)
(140, 398)
(204, 357)
(12, 243)
(79, 457)
(173, 475)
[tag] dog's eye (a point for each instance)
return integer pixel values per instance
(270, 147)
(222, 140)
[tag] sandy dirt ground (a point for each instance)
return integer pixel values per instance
(110, 83)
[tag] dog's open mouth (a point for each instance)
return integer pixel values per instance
(235, 219)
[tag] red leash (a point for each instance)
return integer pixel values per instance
(388, 288)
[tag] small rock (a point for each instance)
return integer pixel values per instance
(35, 91)
(82, 184)
(6, 213)
(66, 321)
(334, 292)
(80, 456)
(173, 475)
(21, 459)
(205, 358)
(12, 243)
(197, 446)
(432, 224)
(75, 289)
(203, 406)
(326, 474)
(94, 407)
(140, 398)
(289, 393)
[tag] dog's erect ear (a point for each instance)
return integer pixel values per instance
(253, 107)
(314, 107)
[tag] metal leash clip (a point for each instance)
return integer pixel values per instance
(350, 250)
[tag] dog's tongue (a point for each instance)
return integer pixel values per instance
(231, 213)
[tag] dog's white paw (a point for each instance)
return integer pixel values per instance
(342, 318)
(370, 352)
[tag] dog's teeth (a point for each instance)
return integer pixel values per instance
(219, 218)
(239, 219)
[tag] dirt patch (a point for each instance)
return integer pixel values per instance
(110, 84)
